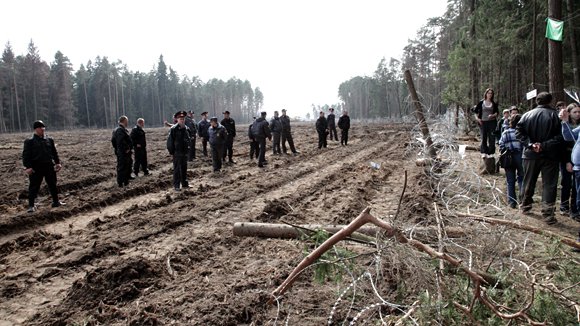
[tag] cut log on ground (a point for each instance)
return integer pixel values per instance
(285, 231)
(567, 241)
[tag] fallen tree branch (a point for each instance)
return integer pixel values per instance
(495, 221)
(390, 231)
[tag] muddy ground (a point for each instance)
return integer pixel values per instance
(147, 255)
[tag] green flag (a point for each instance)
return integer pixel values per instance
(554, 29)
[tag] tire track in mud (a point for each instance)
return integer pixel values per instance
(129, 233)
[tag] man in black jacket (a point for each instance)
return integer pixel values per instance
(41, 161)
(332, 124)
(322, 130)
(286, 133)
(202, 128)
(218, 137)
(140, 147)
(260, 131)
(122, 144)
(178, 146)
(192, 125)
(276, 129)
(344, 125)
(540, 133)
(230, 126)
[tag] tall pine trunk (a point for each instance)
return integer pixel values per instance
(573, 47)
(556, 75)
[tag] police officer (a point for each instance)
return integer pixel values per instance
(322, 130)
(202, 128)
(344, 125)
(286, 133)
(230, 126)
(332, 124)
(276, 128)
(122, 144)
(178, 146)
(140, 147)
(192, 125)
(254, 146)
(261, 131)
(40, 160)
(218, 136)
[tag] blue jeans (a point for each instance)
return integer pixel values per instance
(568, 187)
(577, 184)
(510, 175)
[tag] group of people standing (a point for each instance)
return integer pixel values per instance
(327, 126)
(542, 141)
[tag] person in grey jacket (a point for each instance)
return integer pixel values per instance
(276, 129)
(540, 133)
(218, 136)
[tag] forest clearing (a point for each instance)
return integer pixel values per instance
(146, 255)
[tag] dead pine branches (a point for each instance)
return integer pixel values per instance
(478, 280)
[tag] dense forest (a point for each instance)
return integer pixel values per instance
(474, 45)
(100, 91)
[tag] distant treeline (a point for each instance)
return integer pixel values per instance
(100, 91)
(473, 46)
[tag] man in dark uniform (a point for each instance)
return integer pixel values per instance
(332, 124)
(540, 133)
(344, 125)
(202, 128)
(261, 131)
(218, 137)
(230, 126)
(140, 147)
(322, 130)
(122, 144)
(40, 161)
(178, 146)
(276, 129)
(192, 125)
(287, 133)
(254, 146)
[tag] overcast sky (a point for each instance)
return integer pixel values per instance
(298, 52)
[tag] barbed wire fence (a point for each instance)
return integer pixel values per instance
(395, 285)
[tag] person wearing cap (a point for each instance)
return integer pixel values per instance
(178, 146)
(260, 131)
(202, 128)
(287, 133)
(230, 126)
(218, 136)
(140, 147)
(254, 146)
(192, 125)
(332, 124)
(122, 144)
(344, 125)
(322, 130)
(40, 160)
(276, 129)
